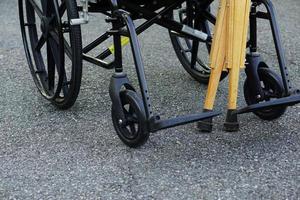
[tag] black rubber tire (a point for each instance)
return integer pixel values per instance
(199, 76)
(76, 46)
(141, 134)
(273, 83)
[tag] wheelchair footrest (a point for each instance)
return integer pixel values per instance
(156, 125)
(285, 101)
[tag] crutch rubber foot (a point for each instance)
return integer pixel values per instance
(231, 124)
(206, 125)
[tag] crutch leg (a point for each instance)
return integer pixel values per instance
(231, 124)
(239, 18)
(206, 125)
(217, 63)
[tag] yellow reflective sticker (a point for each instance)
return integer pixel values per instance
(124, 42)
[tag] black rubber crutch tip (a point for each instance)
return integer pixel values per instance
(205, 125)
(231, 124)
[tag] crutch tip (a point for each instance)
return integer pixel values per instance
(231, 124)
(205, 125)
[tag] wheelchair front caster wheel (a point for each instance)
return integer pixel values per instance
(133, 130)
(272, 87)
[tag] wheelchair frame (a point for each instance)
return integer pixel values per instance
(161, 18)
(122, 13)
(119, 18)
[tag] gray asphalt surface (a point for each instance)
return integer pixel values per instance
(50, 154)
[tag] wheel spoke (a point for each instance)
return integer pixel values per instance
(60, 69)
(194, 53)
(67, 47)
(195, 46)
(51, 67)
(40, 43)
(188, 43)
(65, 86)
(55, 50)
(38, 11)
(48, 7)
(131, 119)
(132, 129)
(44, 6)
(134, 118)
(205, 67)
(62, 9)
(126, 111)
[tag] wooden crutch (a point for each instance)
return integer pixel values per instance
(228, 52)
(239, 14)
(217, 63)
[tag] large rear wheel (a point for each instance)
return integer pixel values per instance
(53, 48)
(193, 54)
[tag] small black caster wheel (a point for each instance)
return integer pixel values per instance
(272, 87)
(133, 131)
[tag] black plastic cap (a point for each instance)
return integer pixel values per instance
(206, 125)
(231, 124)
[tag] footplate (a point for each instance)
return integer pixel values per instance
(285, 101)
(159, 124)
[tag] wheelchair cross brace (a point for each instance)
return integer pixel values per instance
(161, 18)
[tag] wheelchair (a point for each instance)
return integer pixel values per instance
(51, 32)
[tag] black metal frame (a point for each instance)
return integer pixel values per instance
(161, 18)
(122, 25)
(122, 13)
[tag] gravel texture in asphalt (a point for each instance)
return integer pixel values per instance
(46, 153)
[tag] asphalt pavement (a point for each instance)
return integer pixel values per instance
(46, 153)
